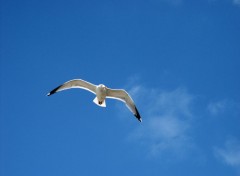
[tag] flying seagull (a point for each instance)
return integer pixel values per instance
(102, 92)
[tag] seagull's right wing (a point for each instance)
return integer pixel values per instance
(123, 96)
(75, 83)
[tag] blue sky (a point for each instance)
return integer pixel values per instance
(178, 59)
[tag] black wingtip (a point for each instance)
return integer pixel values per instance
(137, 115)
(53, 91)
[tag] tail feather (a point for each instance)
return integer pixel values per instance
(97, 102)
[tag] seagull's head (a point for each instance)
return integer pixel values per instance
(102, 86)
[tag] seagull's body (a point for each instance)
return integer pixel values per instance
(102, 92)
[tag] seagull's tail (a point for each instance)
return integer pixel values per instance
(103, 104)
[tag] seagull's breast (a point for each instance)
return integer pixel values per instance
(101, 92)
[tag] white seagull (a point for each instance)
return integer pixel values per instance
(102, 92)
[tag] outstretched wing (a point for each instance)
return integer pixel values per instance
(122, 95)
(75, 83)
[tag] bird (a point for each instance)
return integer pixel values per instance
(102, 92)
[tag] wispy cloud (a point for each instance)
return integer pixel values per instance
(223, 107)
(169, 122)
(236, 2)
(166, 120)
(216, 108)
(229, 153)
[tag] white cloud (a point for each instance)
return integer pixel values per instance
(216, 108)
(169, 119)
(224, 107)
(236, 2)
(166, 120)
(230, 153)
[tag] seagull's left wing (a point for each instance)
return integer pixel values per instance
(122, 95)
(75, 83)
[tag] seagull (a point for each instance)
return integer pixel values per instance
(102, 92)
